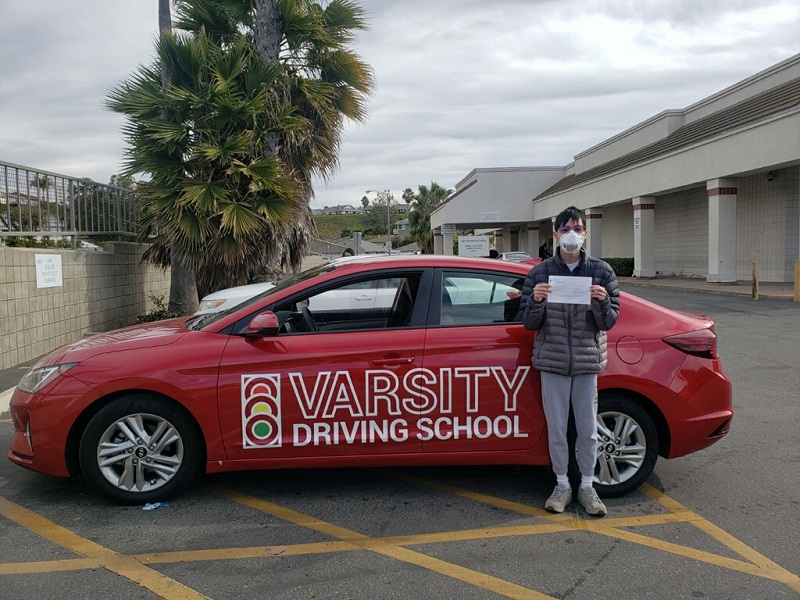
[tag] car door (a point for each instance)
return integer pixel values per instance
(307, 392)
(490, 398)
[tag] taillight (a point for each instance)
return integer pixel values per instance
(702, 342)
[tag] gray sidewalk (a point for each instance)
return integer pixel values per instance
(777, 291)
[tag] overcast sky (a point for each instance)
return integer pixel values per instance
(461, 84)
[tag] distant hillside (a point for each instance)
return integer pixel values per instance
(334, 227)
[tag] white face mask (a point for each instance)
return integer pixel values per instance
(570, 242)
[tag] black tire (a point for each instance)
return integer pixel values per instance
(624, 460)
(151, 450)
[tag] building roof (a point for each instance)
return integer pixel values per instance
(756, 108)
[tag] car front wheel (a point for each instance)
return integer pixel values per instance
(139, 449)
(627, 446)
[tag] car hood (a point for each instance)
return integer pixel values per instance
(147, 335)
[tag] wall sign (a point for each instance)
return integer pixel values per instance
(473, 245)
(48, 271)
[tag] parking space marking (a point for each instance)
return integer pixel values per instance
(381, 546)
(99, 556)
(755, 563)
(134, 567)
(778, 572)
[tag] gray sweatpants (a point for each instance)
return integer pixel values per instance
(556, 393)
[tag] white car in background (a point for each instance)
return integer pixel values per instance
(515, 256)
(356, 294)
(374, 294)
(230, 297)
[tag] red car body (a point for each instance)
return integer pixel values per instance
(252, 391)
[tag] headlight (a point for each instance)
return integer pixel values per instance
(210, 304)
(36, 379)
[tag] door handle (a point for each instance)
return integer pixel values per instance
(396, 360)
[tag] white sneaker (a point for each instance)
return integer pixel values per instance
(559, 499)
(588, 498)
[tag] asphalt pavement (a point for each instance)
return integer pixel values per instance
(774, 291)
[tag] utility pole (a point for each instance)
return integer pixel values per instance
(387, 196)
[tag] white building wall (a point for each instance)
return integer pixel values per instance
(507, 191)
(618, 231)
(681, 246)
(768, 224)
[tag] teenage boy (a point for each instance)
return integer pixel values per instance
(569, 351)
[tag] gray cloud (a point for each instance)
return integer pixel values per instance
(460, 83)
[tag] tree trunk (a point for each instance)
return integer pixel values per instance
(268, 34)
(164, 27)
(183, 283)
(268, 31)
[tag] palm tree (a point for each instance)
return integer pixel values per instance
(419, 219)
(322, 80)
(326, 83)
(183, 297)
(232, 142)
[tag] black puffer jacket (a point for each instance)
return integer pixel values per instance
(571, 338)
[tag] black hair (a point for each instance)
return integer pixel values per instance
(568, 213)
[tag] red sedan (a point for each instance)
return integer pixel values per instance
(436, 371)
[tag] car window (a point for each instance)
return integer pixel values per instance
(207, 319)
(361, 295)
(371, 303)
(478, 299)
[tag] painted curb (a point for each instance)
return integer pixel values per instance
(5, 398)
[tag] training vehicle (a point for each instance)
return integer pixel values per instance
(319, 371)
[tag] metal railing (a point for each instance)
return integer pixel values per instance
(40, 204)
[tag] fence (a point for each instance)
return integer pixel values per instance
(39, 204)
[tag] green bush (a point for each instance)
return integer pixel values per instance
(161, 311)
(623, 267)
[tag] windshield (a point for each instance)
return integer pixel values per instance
(204, 320)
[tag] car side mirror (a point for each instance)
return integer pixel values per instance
(264, 324)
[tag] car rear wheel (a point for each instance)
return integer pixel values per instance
(138, 449)
(627, 446)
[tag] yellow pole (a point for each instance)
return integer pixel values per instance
(755, 280)
(797, 281)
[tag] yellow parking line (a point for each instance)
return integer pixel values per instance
(242, 553)
(127, 567)
(48, 566)
(475, 578)
(134, 567)
(759, 565)
(777, 572)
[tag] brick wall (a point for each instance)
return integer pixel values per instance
(100, 291)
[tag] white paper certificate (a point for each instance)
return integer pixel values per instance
(569, 290)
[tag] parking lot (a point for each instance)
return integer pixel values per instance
(717, 524)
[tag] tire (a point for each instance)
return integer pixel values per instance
(138, 449)
(627, 446)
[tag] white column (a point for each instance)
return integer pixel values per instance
(594, 230)
(447, 244)
(722, 195)
(437, 243)
(644, 236)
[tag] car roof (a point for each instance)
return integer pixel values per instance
(240, 290)
(424, 260)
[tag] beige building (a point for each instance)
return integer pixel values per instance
(702, 191)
